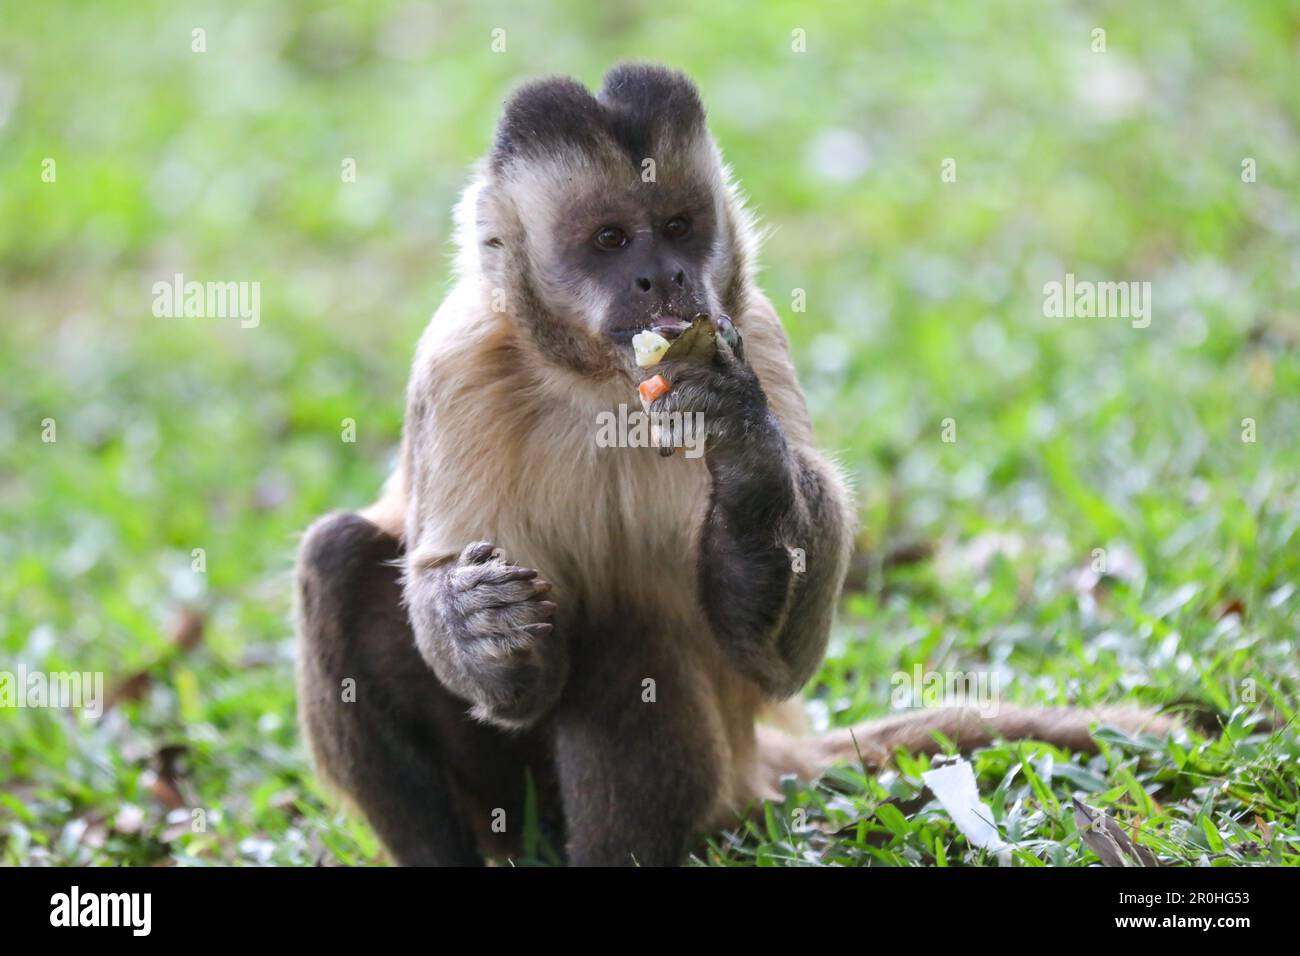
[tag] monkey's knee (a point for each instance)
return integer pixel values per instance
(337, 558)
(340, 595)
(339, 554)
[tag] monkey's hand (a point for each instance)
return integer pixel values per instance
(774, 545)
(726, 395)
(484, 626)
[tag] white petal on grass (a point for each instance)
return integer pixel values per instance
(954, 786)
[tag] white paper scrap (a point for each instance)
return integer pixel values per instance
(954, 785)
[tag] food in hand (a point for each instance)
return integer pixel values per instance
(698, 341)
(695, 341)
(649, 347)
(653, 388)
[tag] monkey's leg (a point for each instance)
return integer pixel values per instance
(639, 748)
(380, 725)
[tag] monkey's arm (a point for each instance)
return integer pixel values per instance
(481, 623)
(777, 533)
(772, 555)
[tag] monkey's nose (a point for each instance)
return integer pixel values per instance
(666, 280)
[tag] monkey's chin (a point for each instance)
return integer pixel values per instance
(628, 372)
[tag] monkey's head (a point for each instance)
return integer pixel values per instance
(597, 216)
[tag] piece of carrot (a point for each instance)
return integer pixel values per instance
(652, 388)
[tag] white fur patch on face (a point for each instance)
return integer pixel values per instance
(538, 190)
(598, 306)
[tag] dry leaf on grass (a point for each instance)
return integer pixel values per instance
(1107, 839)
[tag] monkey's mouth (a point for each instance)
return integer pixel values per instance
(669, 326)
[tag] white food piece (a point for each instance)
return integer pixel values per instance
(649, 347)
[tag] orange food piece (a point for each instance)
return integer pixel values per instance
(652, 388)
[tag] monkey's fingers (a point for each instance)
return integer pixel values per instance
(729, 341)
(661, 436)
(501, 623)
(524, 613)
(477, 553)
(489, 585)
(503, 573)
(671, 437)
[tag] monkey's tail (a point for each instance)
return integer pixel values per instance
(871, 744)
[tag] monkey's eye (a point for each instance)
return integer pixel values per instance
(678, 227)
(611, 237)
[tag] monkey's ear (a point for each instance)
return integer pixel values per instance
(486, 224)
(496, 230)
(546, 116)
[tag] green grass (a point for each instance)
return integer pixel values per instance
(924, 303)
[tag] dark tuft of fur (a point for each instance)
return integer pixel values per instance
(636, 104)
(543, 115)
(642, 99)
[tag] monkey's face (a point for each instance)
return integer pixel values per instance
(612, 208)
(637, 258)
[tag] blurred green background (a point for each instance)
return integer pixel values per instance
(923, 303)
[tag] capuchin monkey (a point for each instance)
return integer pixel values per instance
(607, 623)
